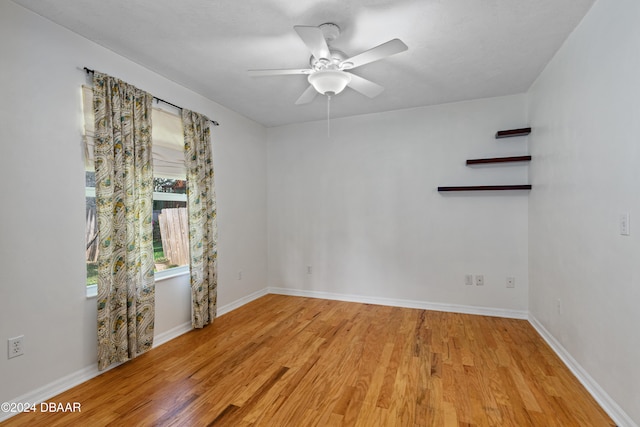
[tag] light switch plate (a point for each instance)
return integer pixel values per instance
(625, 226)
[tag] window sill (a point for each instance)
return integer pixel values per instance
(92, 290)
(170, 273)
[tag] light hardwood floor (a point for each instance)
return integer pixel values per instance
(290, 361)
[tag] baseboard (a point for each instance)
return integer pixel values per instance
(63, 384)
(424, 305)
(54, 388)
(242, 301)
(171, 334)
(616, 413)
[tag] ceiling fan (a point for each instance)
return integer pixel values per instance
(328, 73)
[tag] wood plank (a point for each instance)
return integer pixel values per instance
(289, 361)
(499, 160)
(485, 188)
(509, 133)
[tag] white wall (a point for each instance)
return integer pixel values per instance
(361, 207)
(42, 274)
(585, 113)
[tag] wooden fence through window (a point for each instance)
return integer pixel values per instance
(174, 227)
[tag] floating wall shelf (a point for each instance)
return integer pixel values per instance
(499, 160)
(500, 134)
(486, 188)
(512, 132)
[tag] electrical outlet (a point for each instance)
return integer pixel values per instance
(468, 279)
(511, 282)
(559, 306)
(479, 280)
(239, 275)
(309, 269)
(15, 346)
(624, 224)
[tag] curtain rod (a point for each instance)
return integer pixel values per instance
(90, 71)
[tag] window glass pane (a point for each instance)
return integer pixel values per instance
(170, 229)
(91, 230)
(89, 179)
(164, 185)
(170, 226)
(91, 241)
(170, 239)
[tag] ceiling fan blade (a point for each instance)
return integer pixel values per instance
(307, 96)
(259, 73)
(374, 54)
(314, 39)
(364, 86)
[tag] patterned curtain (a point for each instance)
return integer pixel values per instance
(124, 201)
(202, 218)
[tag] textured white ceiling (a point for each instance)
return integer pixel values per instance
(458, 49)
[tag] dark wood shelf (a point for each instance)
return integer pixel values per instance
(499, 160)
(500, 134)
(486, 188)
(512, 132)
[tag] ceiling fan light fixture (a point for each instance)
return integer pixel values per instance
(329, 81)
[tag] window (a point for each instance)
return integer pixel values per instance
(170, 227)
(170, 230)
(91, 230)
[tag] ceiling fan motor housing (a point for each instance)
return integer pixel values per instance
(333, 63)
(330, 31)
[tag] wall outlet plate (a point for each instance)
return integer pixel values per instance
(15, 346)
(511, 282)
(468, 279)
(625, 226)
(479, 280)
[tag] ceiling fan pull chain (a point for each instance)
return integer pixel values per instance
(328, 116)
